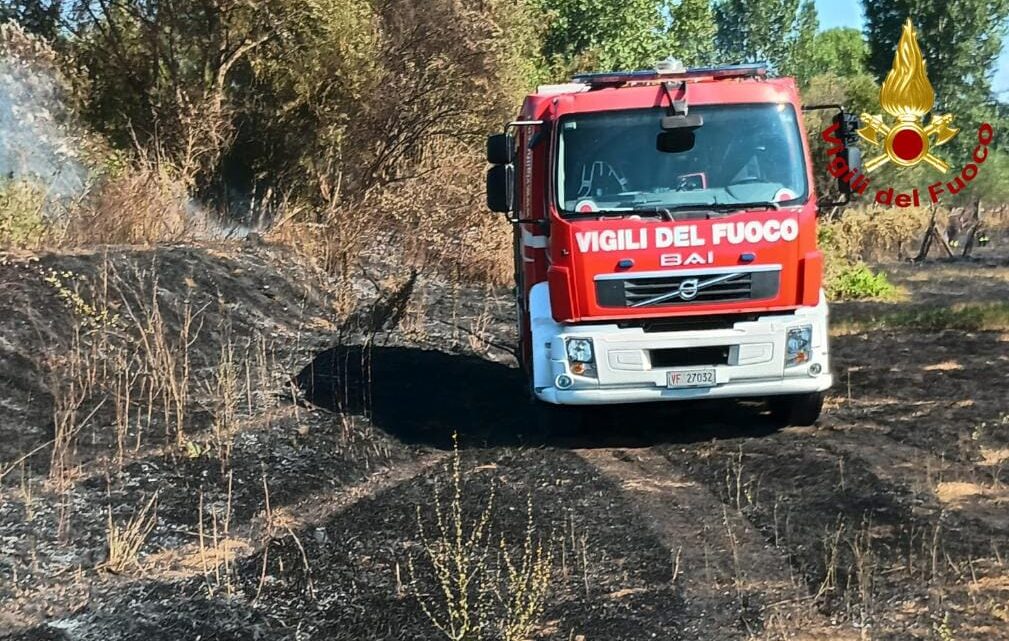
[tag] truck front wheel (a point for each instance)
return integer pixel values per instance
(796, 409)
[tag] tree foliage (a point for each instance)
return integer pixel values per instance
(841, 50)
(600, 34)
(692, 31)
(40, 17)
(802, 50)
(757, 30)
(594, 35)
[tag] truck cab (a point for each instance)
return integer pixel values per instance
(665, 240)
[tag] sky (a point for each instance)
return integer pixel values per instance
(848, 13)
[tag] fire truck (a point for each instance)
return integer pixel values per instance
(665, 239)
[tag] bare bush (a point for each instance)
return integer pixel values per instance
(478, 593)
(524, 584)
(145, 203)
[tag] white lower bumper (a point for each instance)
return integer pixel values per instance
(624, 372)
(647, 394)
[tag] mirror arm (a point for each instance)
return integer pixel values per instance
(823, 106)
(837, 203)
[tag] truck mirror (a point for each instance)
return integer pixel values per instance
(500, 187)
(675, 141)
(847, 127)
(500, 149)
(853, 157)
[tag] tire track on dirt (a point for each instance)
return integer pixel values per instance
(936, 482)
(732, 581)
(875, 546)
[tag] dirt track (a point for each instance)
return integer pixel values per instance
(888, 520)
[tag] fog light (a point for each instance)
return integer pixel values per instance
(799, 345)
(564, 381)
(815, 369)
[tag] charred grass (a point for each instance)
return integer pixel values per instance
(277, 519)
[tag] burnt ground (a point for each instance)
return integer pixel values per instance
(889, 519)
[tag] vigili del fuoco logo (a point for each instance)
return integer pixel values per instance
(907, 96)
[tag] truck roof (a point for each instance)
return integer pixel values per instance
(623, 89)
(609, 79)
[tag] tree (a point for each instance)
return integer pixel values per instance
(35, 16)
(960, 40)
(601, 34)
(841, 50)
(160, 74)
(757, 30)
(802, 50)
(691, 33)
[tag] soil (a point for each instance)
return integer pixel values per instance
(888, 519)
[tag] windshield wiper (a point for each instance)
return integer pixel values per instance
(668, 212)
(726, 208)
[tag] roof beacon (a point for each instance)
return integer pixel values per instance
(669, 66)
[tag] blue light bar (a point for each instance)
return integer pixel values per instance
(645, 75)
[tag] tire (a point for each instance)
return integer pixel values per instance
(799, 410)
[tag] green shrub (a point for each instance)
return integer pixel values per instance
(857, 280)
(845, 276)
(22, 223)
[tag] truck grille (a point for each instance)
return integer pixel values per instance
(687, 288)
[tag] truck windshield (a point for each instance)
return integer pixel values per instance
(610, 161)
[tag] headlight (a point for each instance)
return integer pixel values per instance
(579, 350)
(799, 345)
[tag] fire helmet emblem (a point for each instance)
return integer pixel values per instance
(907, 95)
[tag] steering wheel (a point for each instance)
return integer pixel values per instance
(595, 175)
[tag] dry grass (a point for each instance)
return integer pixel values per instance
(127, 539)
(144, 204)
(874, 233)
(434, 221)
(216, 546)
(125, 377)
(22, 214)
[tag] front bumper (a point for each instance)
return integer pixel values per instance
(755, 365)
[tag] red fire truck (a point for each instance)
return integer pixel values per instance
(665, 239)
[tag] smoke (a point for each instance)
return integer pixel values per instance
(37, 143)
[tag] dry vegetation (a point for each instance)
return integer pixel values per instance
(479, 590)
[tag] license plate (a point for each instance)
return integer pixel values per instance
(699, 377)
